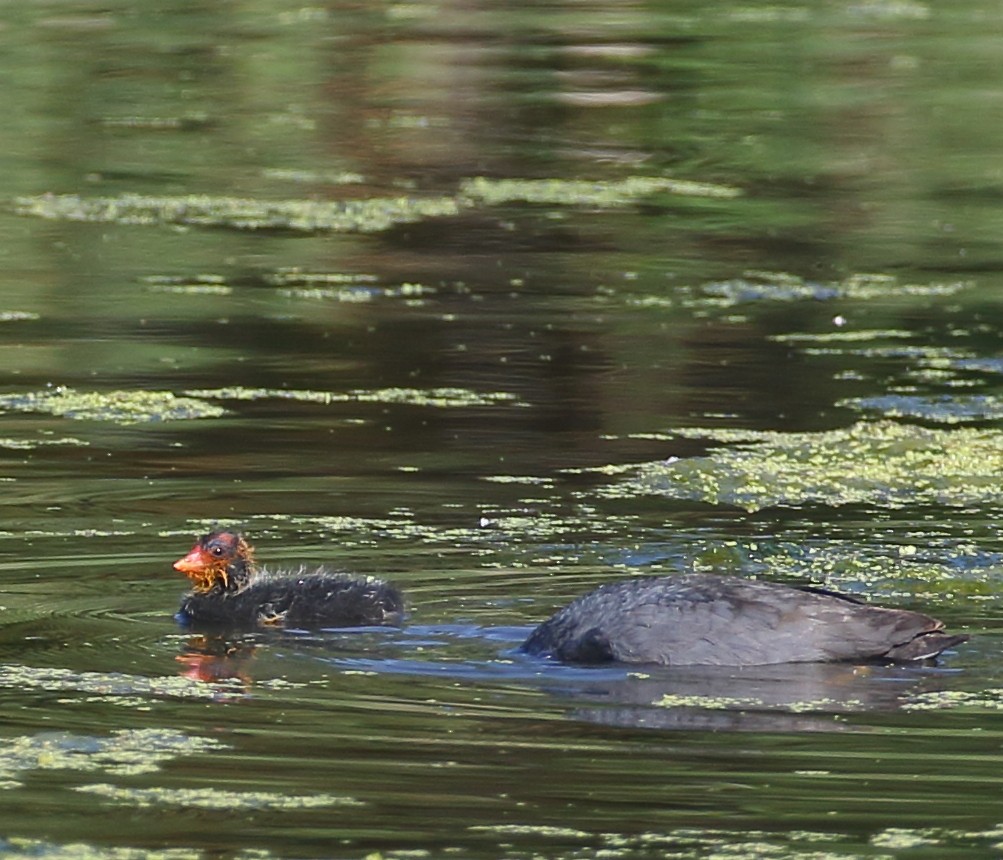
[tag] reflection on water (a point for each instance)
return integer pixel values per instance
(775, 698)
(213, 658)
(497, 304)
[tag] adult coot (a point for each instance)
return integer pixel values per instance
(230, 590)
(703, 619)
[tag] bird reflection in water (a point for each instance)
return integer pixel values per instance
(790, 697)
(215, 659)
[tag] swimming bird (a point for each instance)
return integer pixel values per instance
(230, 590)
(706, 619)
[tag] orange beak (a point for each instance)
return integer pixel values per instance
(195, 562)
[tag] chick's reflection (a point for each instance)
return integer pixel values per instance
(215, 658)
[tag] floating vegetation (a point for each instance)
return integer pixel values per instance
(548, 830)
(106, 685)
(904, 838)
(357, 293)
(347, 295)
(195, 289)
(781, 287)
(581, 192)
(943, 409)
(119, 407)
(371, 215)
(858, 336)
(213, 798)
(936, 700)
(691, 842)
(436, 397)
(296, 276)
(732, 703)
(785, 287)
(345, 216)
(344, 288)
(187, 122)
(197, 285)
(532, 480)
(875, 463)
(32, 444)
(17, 848)
(124, 752)
(980, 365)
(313, 177)
(707, 703)
(739, 291)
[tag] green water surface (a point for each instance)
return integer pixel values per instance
(500, 302)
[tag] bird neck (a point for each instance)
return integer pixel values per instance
(237, 575)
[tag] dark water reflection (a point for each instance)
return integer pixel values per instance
(462, 403)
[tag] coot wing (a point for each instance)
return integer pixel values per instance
(697, 627)
(670, 620)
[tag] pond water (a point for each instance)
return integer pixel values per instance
(499, 302)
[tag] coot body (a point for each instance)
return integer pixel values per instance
(230, 590)
(704, 619)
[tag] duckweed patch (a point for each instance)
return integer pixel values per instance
(119, 407)
(186, 122)
(313, 177)
(125, 752)
(726, 703)
(443, 398)
(943, 409)
(706, 703)
(530, 480)
(195, 289)
(785, 287)
(490, 532)
(16, 848)
(199, 285)
(108, 685)
(211, 798)
(311, 216)
(32, 444)
(980, 365)
(371, 215)
(938, 700)
(879, 463)
(299, 277)
(687, 843)
(901, 573)
(359, 293)
(548, 830)
(855, 336)
(600, 193)
(904, 838)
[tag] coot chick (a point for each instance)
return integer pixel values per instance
(230, 590)
(703, 619)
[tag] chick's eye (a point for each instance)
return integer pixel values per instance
(217, 550)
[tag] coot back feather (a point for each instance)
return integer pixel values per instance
(705, 619)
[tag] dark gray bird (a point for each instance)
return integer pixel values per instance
(703, 619)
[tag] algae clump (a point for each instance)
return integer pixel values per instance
(362, 216)
(879, 463)
(120, 407)
(368, 215)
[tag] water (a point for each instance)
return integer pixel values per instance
(617, 289)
